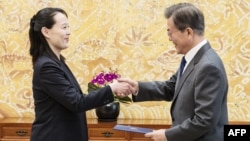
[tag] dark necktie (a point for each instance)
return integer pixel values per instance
(183, 63)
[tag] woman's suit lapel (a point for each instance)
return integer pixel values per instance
(71, 77)
(65, 68)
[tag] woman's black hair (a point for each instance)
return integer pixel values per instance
(43, 18)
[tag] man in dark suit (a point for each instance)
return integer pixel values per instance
(60, 104)
(198, 91)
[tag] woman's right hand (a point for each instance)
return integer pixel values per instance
(133, 84)
(121, 89)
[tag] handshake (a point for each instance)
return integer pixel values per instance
(123, 87)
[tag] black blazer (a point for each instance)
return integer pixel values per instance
(199, 98)
(60, 104)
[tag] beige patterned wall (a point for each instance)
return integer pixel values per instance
(128, 35)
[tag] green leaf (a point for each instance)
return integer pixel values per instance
(123, 99)
(92, 87)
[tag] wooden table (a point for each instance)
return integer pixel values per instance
(18, 129)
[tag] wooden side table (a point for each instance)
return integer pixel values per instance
(19, 129)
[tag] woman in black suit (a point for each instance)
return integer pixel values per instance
(59, 102)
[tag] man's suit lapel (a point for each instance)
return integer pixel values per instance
(189, 69)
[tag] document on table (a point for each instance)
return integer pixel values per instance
(132, 129)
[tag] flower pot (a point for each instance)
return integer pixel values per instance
(108, 112)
